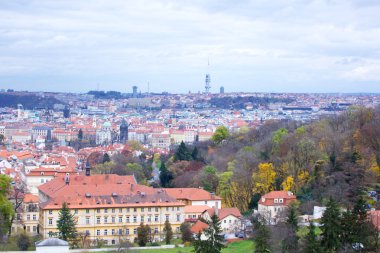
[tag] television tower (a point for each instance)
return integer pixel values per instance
(207, 80)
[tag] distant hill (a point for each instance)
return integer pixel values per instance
(241, 102)
(29, 101)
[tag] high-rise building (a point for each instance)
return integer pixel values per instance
(124, 131)
(221, 90)
(134, 91)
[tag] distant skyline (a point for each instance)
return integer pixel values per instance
(253, 46)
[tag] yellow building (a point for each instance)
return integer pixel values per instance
(108, 207)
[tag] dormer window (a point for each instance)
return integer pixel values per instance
(275, 201)
(281, 201)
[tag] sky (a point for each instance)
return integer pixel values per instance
(167, 45)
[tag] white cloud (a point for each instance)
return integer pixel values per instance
(268, 45)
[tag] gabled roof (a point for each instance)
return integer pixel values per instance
(224, 212)
(198, 227)
(195, 209)
(268, 199)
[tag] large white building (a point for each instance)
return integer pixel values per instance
(272, 206)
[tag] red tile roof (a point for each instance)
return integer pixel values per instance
(192, 194)
(224, 212)
(268, 199)
(198, 227)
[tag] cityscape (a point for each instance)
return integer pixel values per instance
(206, 127)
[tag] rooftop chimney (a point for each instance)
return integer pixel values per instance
(67, 179)
(88, 169)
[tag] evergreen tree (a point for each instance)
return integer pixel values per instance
(331, 227)
(23, 241)
(290, 243)
(106, 158)
(214, 241)
(165, 175)
(182, 153)
(66, 224)
(168, 232)
(312, 244)
(262, 238)
(142, 235)
(194, 154)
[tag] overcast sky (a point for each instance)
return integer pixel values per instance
(258, 45)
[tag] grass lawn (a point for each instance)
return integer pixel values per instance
(245, 246)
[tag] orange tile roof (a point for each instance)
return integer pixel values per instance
(224, 212)
(268, 199)
(196, 209)
(198, 227)
(30, 198)
(191, 194)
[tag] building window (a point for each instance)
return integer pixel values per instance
(127, 209)
(127, 231)
(87, 232)
(50, 211)
(76, 211)
(87, 210)
(113, 210)
(177, 208)
(156, 218)
(142, 218)
(177, 229)
(34, 229)
(28, 217)
(97, 220)
(142, 209)
(105, 232)
(127, 219)
(98, 232)
(178, 217)
(50, 221)
(149, 218)
(113, 241)
(98, 210)
(105, 219)
(135, 209)
(120, 231)
(34, 217)
(113, 231)
(134, 219)
(149, 209)
(167, 208)
(113, 219)
(280, 201)
(120, 210)
(120, 219)
(87, 220)
(275, 201)
(167, 217)
(105, 210)
(134, 231)
(156, 230)
(156, 209)
(206, 202)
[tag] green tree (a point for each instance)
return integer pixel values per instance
(66, 225)
(106, 158)
(209, 179)
(290, 243)
(142, 235)
(182, 153)
(187, 235)
(312, 245)
(6, 208)
(80, 134)
(165, 175)
(168, 232)
(331, 227)
(221, 133)
(23, 241)
(194, 154)
(262, 238)
(214, 241)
